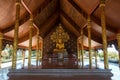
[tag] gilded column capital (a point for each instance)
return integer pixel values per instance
(88, 18)
(102, 3)
(31, 21)
(38, 32)
(31, 17)
(81, 32)
(18, 2)
(88, 21)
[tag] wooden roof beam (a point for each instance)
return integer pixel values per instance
(70, 28)
(78, 8)
(45, 25)
(26, 17)
(37, 10)
(56, 22)
(94, 36)
(26, 36)
(22, 21)
(97, 21)
(7, 38)
(76, 26)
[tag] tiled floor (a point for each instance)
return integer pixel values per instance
(4, 70)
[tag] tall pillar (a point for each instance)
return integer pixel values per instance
(37, 49)
(41, 52)
(30, 41)
(1, 38)
(23, 57)
(104, 38)
(14, 57)
(89, 42)
(118, 40)
(78, 50)
(82, 53)
(96, 58)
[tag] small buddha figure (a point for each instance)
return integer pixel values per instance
(59, 44)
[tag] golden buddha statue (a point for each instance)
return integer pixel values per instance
(59, 37)
(59, 44)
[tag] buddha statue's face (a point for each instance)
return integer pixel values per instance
(59, 44)
(59, 40)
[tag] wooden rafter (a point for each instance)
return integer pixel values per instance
(96, 20)
(26, 36)
(78, 8)
(94, 36)
(69, 27)
(22, 21)
(76, 26)
(46, 25)
(26, 17)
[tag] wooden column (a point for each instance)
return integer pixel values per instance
(14, 56)
(78, 50)
(89, 41)
(104, 37)
(37, 49)
(118, 40)
(1, 38)
(82, 53)
(41, 50)
(40, 58)
(96, 53)
(23, 57)
(30, 41)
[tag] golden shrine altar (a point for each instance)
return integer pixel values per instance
(60, 37)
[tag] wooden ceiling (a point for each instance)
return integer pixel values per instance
(72, 14)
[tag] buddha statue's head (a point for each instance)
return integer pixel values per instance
(60, 41)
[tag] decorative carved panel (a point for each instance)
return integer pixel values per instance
(70, 45)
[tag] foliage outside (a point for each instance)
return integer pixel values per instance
(6, 55)
(112, 56)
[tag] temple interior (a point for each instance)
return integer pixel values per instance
(61, 39)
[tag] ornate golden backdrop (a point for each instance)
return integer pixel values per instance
(70, 45)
